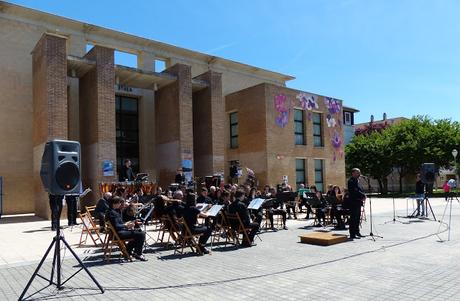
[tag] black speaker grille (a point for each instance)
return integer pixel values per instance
(67, 175)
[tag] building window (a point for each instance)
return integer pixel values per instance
(347, 118)
(299, 127)
(317, 129)
(319, 172)
(234, 130)
(127, 135)
(300, 172)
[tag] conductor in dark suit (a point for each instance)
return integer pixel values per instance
(126, 173)
(357, 197)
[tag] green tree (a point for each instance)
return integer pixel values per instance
(407, 146)
(371, 153)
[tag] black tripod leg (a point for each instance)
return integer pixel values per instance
(82, 265)
(54, 262)
(36, 270)
(431, 209)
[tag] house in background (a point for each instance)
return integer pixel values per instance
(348, 123)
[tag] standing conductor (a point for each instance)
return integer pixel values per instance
(357, 197)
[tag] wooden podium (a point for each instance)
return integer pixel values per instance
(322, 238)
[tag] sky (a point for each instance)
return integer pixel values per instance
(401, 57)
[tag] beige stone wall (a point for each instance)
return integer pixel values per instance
(17, 41)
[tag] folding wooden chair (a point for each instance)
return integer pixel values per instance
(238, 228)
(186, 238)
(113, 240)
(223, 230)
(89, 229)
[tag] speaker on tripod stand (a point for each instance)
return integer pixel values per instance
(60, 175)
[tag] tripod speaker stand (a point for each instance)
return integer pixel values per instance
(57, 264)
(441, 221)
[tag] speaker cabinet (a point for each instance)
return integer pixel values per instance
(428, 173)
(60, 167)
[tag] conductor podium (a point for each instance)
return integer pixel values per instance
(322, 238)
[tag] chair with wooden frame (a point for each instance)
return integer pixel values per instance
(238, 228)
(223, 230)
(185, 238)
(90, 210)
(89, 228)
(112, 239)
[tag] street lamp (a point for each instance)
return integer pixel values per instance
(455, 153)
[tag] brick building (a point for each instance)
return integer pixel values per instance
(59, 79)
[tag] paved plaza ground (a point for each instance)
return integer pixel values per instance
(408, 263)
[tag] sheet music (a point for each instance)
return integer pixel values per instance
(256, 203)
(214, 210)
(202, 206)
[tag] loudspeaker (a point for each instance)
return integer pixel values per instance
(428, 173)
(60, 168)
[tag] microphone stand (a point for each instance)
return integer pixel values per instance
(371, 234)
(394, 208)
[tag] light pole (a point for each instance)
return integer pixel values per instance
(455, 153)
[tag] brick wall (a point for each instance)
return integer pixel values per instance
(208, 126)
(269, 149)
(252, 134)
(49, 69)
(97, 119)
(174, 123)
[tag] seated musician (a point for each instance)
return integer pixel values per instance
(174, 205)
(320, 206)
(334, 199)
(276, 209)
(302, 200)
(290, 202)
(129, 214)
(257, 215)
(342, 209)
(126, 230)
(101, 208)
(237, 206)
(190, 214)
(204, 198)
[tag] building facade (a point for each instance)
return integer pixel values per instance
(59, 79)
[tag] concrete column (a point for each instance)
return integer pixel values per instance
(174, 124)
(208, 126)
(97, 119)
(147, 120)
(49, 75)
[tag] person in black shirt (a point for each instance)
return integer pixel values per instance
(355, 202)
(126, 230)
(190, 214)
(180, 177)
(420, 195)
(237, 206)
(101, 208)
(204, 198)
(126, 173)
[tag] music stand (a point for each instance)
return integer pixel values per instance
(394, 220)
(369, 197)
